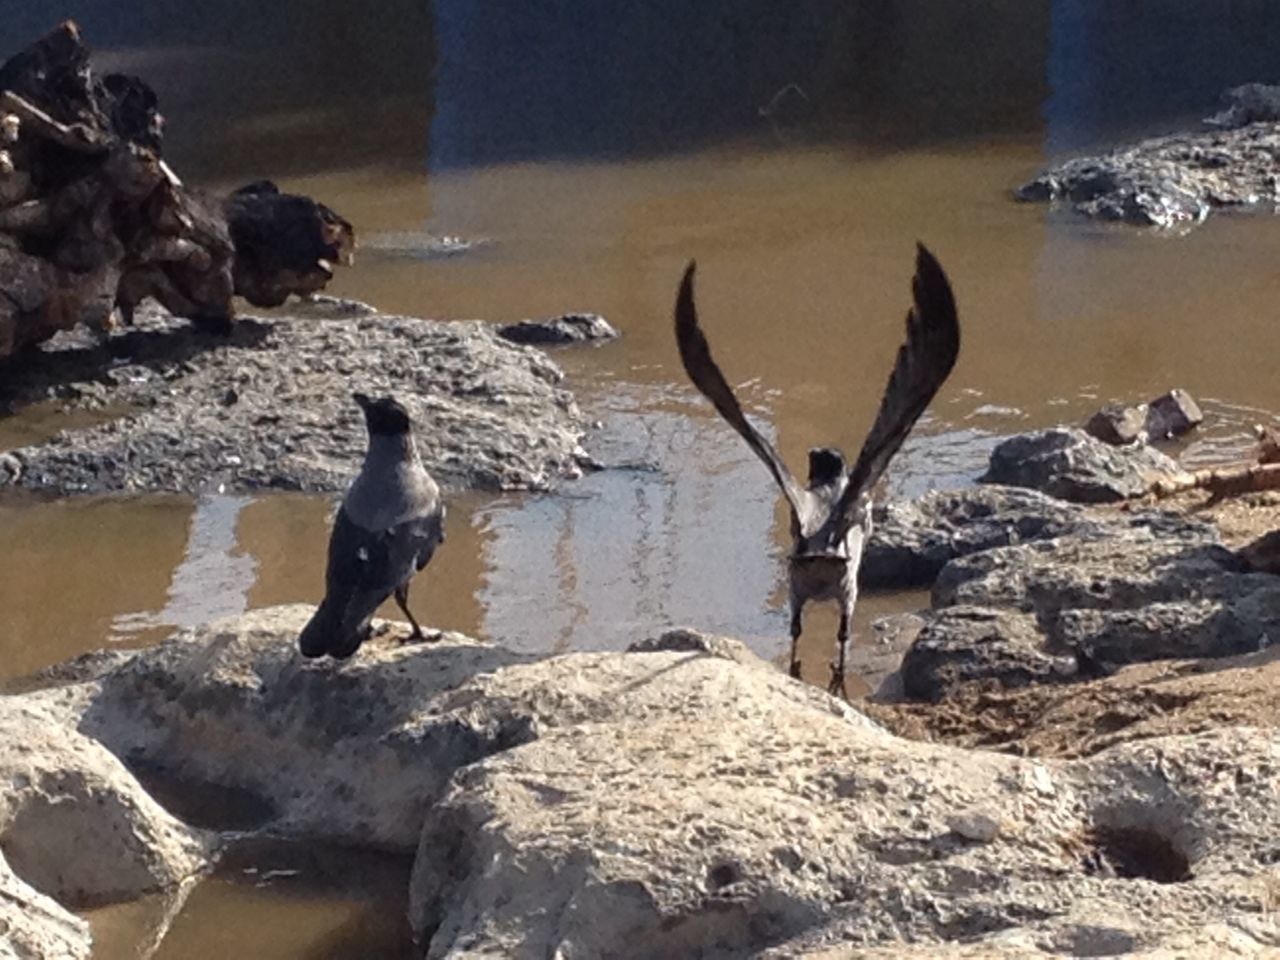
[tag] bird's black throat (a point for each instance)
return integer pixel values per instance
(384, 416)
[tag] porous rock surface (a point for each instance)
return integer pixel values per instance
(36, 927)
(270, 406)
(1136, 588)
(76, 830)
(685, 798)
(570, 328)
(1070, 464)
(680, 804)
(1173, 181)
(351, 751)
(75, 824)
(912, 540)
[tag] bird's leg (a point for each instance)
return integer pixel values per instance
(836, 686)
(402, 600)
(796, 606)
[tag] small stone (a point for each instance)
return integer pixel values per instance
(570, 328)
(1172, 415)
(974, 825)
(1118, 424)
(1041, 781)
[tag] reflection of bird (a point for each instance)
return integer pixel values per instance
(831, 515)
(388, 526)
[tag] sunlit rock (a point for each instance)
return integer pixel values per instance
(353, 751)
(682, 804)
(1071, 465)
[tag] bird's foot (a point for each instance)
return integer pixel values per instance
(795, 669)
(836, 686)
(422, 636)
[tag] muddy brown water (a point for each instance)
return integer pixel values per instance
(802, 211)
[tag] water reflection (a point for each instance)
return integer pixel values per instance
(76, 565)
(215, 575)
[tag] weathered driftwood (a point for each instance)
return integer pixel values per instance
(285, 244)
(92, 220)
(1221, 482)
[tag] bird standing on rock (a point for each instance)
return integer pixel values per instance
(831, 515)
(390, 523)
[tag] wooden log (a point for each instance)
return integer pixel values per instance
(87, 201)
(1226, 481)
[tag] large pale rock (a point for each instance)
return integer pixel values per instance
(351, 751)
(1069, 464)
(75, 823)
(36, 927)
(681, 804)
(1167, 591)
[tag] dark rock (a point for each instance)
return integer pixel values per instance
(1117, 424)
(1240, 616)
(1246, 104)
(1263, 554)
(1268, 448)
(911, 540)
(488, 414)
(1071, 465)
(1172, 415)
(1175, 181)
(570, 328)
(965, 644)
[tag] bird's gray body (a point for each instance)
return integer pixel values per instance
(825, 553)
(388, 527)
(831, 514)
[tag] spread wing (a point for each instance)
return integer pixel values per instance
(706, 376)
(924, 362)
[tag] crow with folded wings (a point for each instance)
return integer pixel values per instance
(831, 514)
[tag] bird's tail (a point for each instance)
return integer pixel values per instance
(321, 633)
(330, 632)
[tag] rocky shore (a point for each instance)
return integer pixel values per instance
(1084, 765)
(171, 407)
(1176, 181)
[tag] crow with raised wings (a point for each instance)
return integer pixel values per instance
(831, 514)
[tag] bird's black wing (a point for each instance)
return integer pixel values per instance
(706, 376)
(365, 566)
(924, 362)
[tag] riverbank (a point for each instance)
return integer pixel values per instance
(685, 792)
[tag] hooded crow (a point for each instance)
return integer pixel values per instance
(831, 514)
(390, 523)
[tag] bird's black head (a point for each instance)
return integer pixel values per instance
(383, 415)
(826, 464)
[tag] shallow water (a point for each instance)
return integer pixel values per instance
(587, 172)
